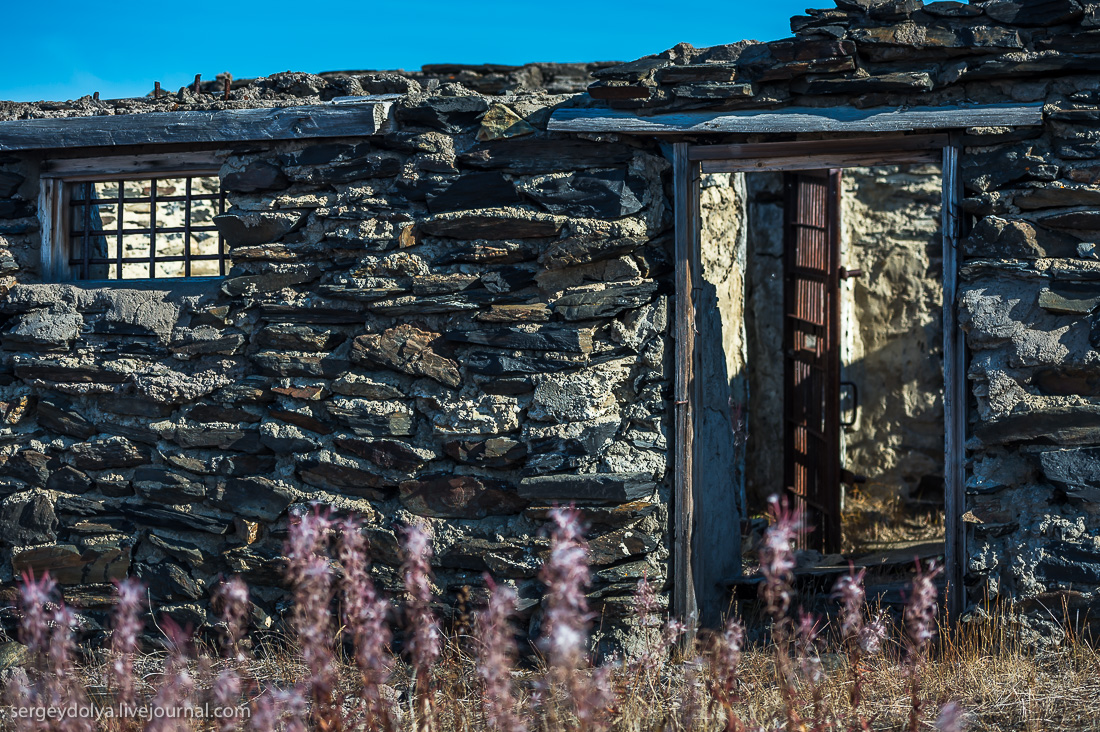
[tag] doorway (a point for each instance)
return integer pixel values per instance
(797, 421)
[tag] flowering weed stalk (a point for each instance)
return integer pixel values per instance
(309, 573)
(919, 617)
(777, 563)
(497, 659)
(366, 615)
(565, 623)
(423, 636)
(124, 640)
(861, 639)
(725, 665)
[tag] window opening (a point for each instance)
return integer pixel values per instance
(146, 228)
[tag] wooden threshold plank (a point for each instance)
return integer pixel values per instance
(800, 119)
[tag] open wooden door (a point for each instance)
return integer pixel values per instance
(811, 355)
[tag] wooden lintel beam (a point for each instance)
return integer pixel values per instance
(933, 143)
(820, 162)
(228, 125)
(799, 119)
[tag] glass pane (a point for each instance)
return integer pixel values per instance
(107, 189)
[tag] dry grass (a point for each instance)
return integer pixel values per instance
(1001, 684)
(876, 519)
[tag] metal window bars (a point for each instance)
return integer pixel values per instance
(90, 239)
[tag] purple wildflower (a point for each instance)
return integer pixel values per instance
(566, 577)
(308, 571)
(423, 629)
(365, 613)
(124, 640)
(177, 689)
(919, 617)
(920, 612)
(231, 601)
(777, 559)
(725, 663)
(951, 718)
(497, 658)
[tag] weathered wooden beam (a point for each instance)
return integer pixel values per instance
(228, 125)
(799, 119)
(954, 387)
(819, 162)
(876, 144)
(685, 388)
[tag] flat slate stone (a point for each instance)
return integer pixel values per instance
(495, 452)
(604, 303)
(1063, 425)
(595, 194)
(65, 373)
(292, 337)
(28, 519)
(503, 364)
(447, 114)
(57, 415)
(113, 452)
(1071, 468)
(408, 349)
(344, 479)
(534, 155)
(68, 565)
(1033, 12)
(68, 479)
(195, 517)
(543, 338)
(258, 175)
(249, 228)
(9, 183)
(590, 488)
(475, 190)
(460, 496)
(167, 486)
(388, 454)
(492, 224)
(1064, 561)
(255, 497)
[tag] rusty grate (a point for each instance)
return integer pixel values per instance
(147, 228)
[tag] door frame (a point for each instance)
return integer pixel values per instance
(689, 163)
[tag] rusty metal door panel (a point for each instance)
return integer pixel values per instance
(811, 357)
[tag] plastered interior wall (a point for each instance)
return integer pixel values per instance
(890, 324)
(723, 377)
(892, 328)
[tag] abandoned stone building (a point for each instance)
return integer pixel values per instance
(857, 266)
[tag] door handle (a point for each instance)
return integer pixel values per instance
(855, 402)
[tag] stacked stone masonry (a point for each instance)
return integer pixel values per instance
(465, 319)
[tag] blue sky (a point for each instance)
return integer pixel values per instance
(63, 50)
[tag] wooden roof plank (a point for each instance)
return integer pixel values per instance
(800, 119)
(228, 125)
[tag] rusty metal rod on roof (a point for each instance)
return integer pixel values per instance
(156, 90)
(228, 85)
(198, 81)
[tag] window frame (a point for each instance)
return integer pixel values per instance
(58, 178)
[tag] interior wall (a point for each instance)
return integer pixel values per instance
(890, 327)
(719, 482)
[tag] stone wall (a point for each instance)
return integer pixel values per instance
(462, 322)
(1029, 275)
(415, 317)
